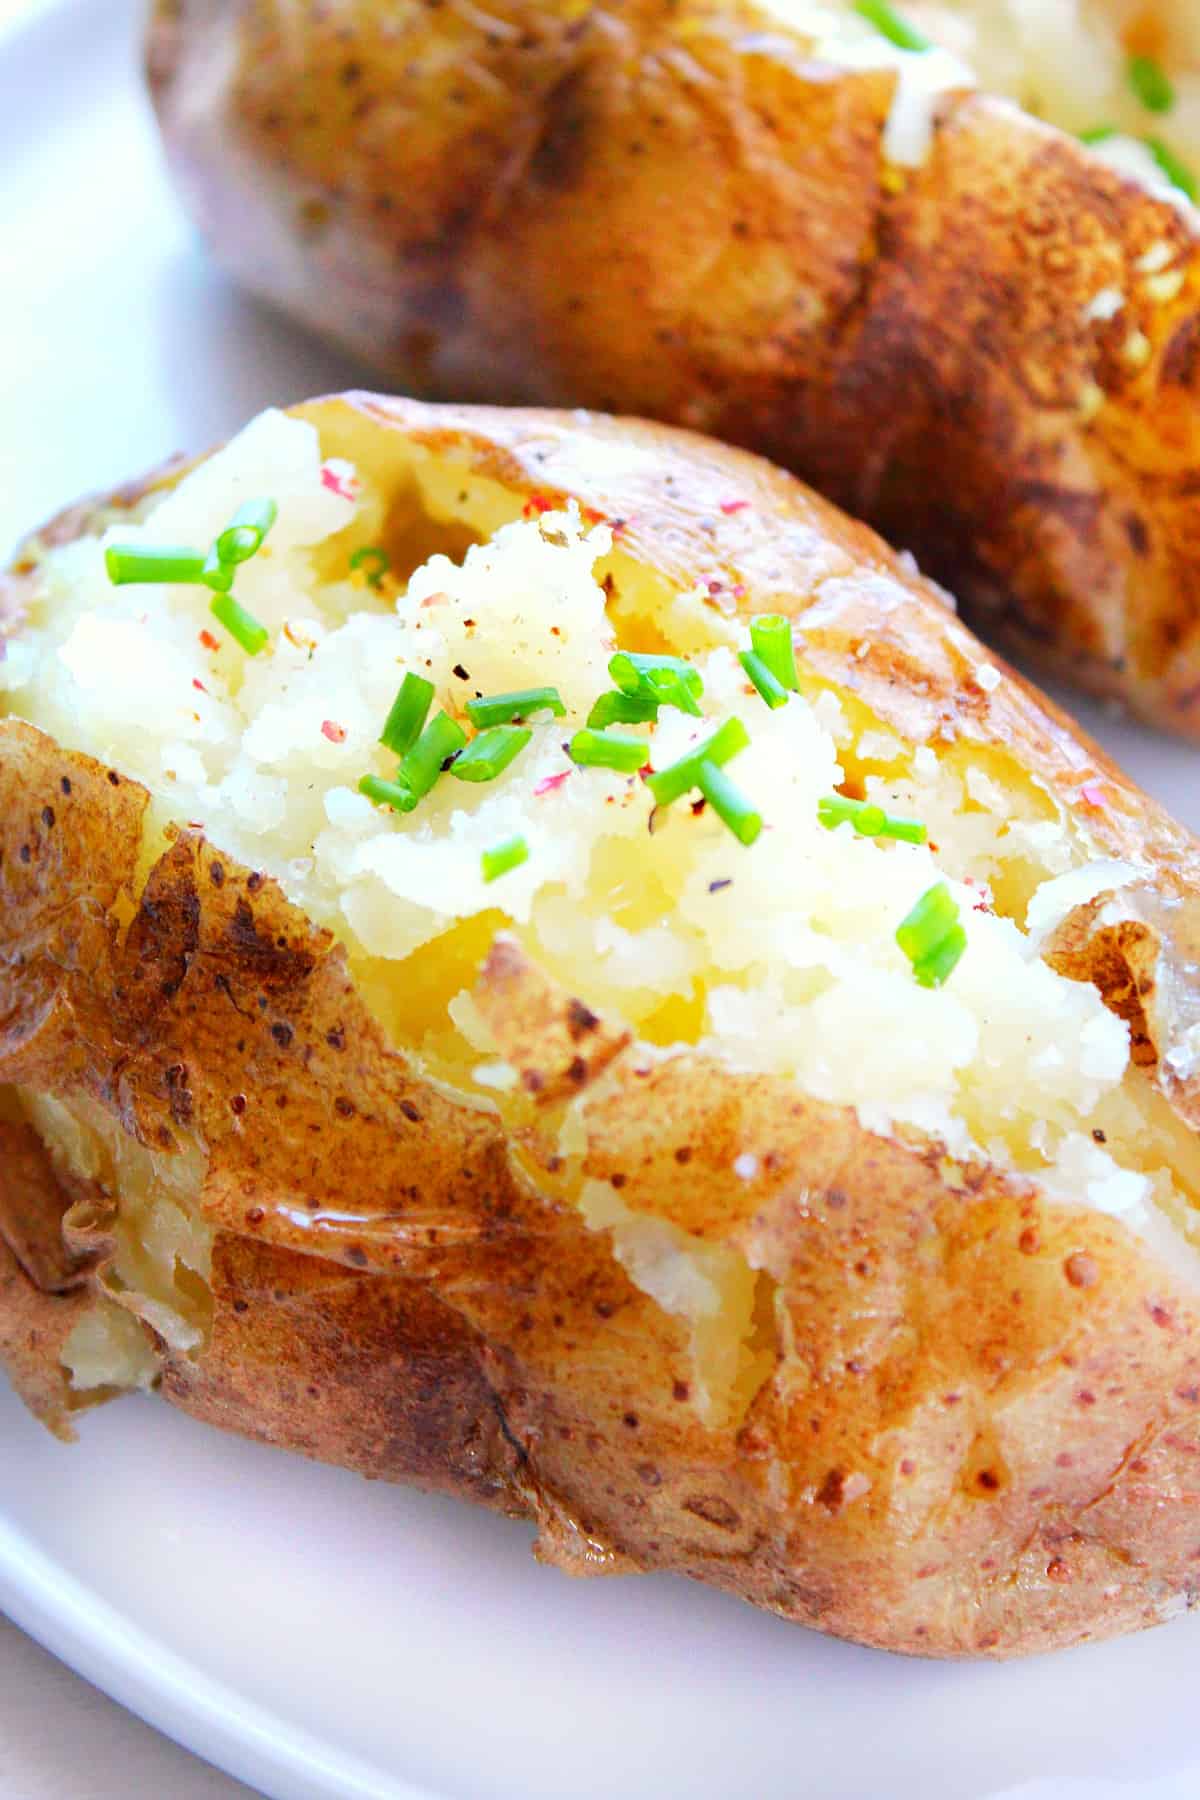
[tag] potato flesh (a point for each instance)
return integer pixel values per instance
(1066, 61)
(781, 958)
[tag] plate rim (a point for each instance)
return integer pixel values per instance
(167, 1691)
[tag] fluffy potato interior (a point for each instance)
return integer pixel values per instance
(780, 957)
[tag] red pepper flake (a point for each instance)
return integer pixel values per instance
(209, 641)
(593, 515)
(739, 591)
(933, 847)
(334, 732)
(714, 586)
(548, 783)
(197, 683)
(729, 507)
(339, 477)
(440, 599)
(536, 505)
(1092, 794)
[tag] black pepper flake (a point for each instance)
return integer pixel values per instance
(714, 887)
(114, 778)
(238, 1104)
(65, 784)
(410, 1111)
(461, 672)
(48, 817)
(336, 1039)
(254, 882)
(216, 874)
(25, 853)
(344, 1108)
(282, 1033)
(698, 806)
(1099, 1136)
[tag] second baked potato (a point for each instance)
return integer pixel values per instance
(767, 222)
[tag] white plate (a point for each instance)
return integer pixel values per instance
(311, 1633)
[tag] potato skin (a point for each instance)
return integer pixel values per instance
(981, 1427)
(678, 213)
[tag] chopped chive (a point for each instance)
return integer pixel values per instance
(442, 737)
(375, 561)
(243, 536)
(1097, 134)
(503, 857)
(933, 969)
(729, 803)
(922, 929)
(396, 794)
(679, 777)
(932, 936)
(667, 679)
(889, 23)
(608, 750)
(1150, 83)
(216, 574)
(490, 753)
(772, 691)
(240, 624)
(771, 639)
(616, 708)
(500, 709)
(151, 562)
(867, 819)
(1173, 167)
(406, 720)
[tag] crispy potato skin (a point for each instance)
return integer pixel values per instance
(678, 213)
(979, 1429)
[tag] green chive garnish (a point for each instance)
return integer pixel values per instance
(522, 703)
(503, 857)
(241, 625)
(216, 574)
(1173, 167)
(667, 679)
(1097, 134)
(729, 803)
(609, 750)
(410, 709)
(931, 936)
(490, 753)
(375, 561)
(678, 778)
(1150, 83)
(396, 794)
(888, 21)
(933, 969)
(147, 562)
(615, 708)
(771, 639)
(867, 819)
(441, 738)
(243, 536)
(772, 691)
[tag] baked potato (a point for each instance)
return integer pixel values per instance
(659, 1188)
(768, 223)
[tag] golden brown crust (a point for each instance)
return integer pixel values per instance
(975, 1427)
(679, 213)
